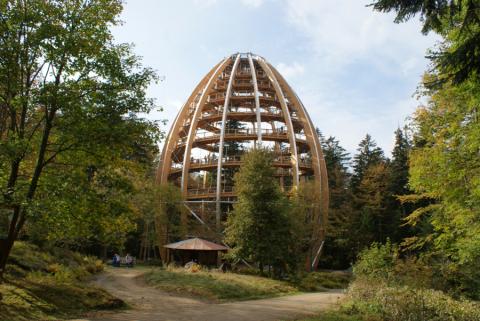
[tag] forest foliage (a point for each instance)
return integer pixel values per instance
(71, 140)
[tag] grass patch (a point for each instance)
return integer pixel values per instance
(48, 285)
(338, 315)
(217, 286)
(321, 281)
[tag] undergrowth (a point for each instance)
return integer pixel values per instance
(388, 287)
(48, 285)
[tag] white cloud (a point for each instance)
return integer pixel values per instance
(343, 31)
(205, 3)
(248, 3)
(253, 3)
(291, 71)
(360, 68)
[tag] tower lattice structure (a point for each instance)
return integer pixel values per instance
(243, 102)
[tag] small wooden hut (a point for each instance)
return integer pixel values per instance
(199, 250)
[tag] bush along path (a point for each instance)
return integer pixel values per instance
(148, 303)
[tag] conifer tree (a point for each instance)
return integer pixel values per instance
(368, 154)
(337, 252)
(369, 194)
(371, 198)
(259, 227)
(398, 186)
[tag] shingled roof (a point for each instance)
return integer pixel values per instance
(196, 244)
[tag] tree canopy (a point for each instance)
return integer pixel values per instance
(69, 98)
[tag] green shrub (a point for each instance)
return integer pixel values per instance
(93, 265)
(54, 268)
(404, 303)
(378, 261)
(427, 271)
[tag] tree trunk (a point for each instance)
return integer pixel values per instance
(19, 215)
(4, 252)
(104, 252)
(6, 245)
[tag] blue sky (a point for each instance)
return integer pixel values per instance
(354, 69)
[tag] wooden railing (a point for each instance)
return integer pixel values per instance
(212, 161)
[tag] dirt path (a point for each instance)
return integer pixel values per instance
(150, 304)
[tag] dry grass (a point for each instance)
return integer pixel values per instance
(217, 286)
(321, 281)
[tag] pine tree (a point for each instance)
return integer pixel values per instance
(369, 188)
(398, 186)
(337, 252)
(399, 163)
(259, 227)
(337, 160)
(371, 201)
(368, 154)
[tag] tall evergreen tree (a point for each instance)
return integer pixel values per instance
(370, 201)
(369, 189)
(368, 154)
(334, 154)
(398, 186)
(337, 253)
(399, 163)
(337, 161)
(259, 227)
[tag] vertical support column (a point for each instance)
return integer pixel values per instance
(288, 120)
(218, 216)
(257, 100)
(193, 126)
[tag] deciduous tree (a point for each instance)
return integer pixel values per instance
(68, 91)
(445, 165)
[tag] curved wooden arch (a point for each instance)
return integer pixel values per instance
(172, 137)
(194, 121)
(288, 120)
(257, 99)
(222, 138)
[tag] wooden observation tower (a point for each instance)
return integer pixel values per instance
(241, 103)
